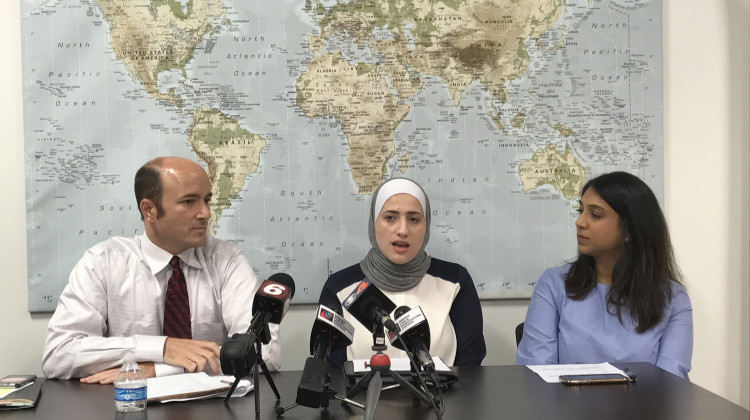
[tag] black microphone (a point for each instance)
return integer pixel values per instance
(271, 302)
(415, 332)
(330, 332)
(370, 306)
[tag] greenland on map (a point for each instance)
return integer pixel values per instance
(298, 110)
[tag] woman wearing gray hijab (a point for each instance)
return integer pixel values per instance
(399, 229)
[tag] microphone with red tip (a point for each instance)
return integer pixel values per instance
(271, 302)
(370, 306)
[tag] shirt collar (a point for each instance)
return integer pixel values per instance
(157, 258)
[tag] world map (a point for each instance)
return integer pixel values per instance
(298, 110)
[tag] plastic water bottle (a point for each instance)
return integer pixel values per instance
(130, 388)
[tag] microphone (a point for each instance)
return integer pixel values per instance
(370, 306)
(238, 354)
(271, 303)
(415, 332)
(330, 332)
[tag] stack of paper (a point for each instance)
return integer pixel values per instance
(192, 386)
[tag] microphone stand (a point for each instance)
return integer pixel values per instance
(327, 395)
(380, 364)
(257, 365)
(260, 364)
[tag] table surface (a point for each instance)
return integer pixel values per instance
(488, 392)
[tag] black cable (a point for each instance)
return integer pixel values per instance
(438, 412)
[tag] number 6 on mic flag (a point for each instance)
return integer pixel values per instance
(274, 296)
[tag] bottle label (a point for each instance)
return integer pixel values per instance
(130, 394)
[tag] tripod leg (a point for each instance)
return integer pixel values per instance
(360, 385)
(414, 391)
(281, 410)
(257, 391)
(348, 401)
(259, 362)
(373, 396)
(231, 390)
(267, 374)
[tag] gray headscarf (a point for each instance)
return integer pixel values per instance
(377, 267)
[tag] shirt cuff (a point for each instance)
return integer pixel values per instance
(163, 369)
(150, 348)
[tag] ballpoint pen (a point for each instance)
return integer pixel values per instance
(17, 381)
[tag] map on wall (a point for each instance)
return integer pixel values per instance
(500, 109)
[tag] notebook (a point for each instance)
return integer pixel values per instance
(25, 397)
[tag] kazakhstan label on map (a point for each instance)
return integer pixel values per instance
(298, 110)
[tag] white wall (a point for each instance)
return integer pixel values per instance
(707, 199)
(706, 90)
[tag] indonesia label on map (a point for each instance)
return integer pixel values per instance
(298, 110)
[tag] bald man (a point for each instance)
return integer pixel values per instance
(168, 298)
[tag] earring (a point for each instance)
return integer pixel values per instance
(627, 238)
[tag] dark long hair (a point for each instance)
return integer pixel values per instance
(641, 278)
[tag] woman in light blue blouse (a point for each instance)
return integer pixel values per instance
(622, 299)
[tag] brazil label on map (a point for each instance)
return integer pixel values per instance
(299, 109)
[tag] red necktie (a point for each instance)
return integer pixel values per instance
(177, 304)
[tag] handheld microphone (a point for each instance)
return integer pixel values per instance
(238, 354)
(415, 331)
(370, 306)
(330, 332)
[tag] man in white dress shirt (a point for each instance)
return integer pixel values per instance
(114, 304)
